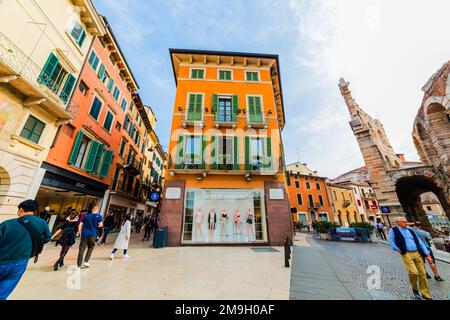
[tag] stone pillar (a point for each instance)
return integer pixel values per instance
(278, 211)
(172, 212)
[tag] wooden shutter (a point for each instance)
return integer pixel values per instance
(76, 148)
(258, 109)
(106, 164)
(251, 108)
(235, 102)
(179, 159)
(288, 178)
(82, 38)
(203, 151)
(236, 164)
(268, 156)
(247, 154)
(191, 106)
(68, 87)
(89, 166)
(215, 106)
(214, 152)
(110, 84)
(101, 71)
(198, 107)
(100, 151)
(48, 70)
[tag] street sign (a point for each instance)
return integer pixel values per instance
(385, 209)
(154, 196)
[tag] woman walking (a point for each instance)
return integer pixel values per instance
(123, 238)
(69, 231)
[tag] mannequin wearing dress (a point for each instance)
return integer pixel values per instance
(198, 222)
(224, 223)
(212, 222)
(249, 223)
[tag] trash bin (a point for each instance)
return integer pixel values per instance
(160, 237)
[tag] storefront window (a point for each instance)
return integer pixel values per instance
(224, 216)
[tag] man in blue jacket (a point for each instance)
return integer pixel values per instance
(404, 240)
(16, 245)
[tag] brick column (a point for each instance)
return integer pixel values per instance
(172, 213)
(279, 221)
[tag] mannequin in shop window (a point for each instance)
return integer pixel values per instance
(224, 223)
(237, 220)
(249, 223)
(198, 223)
(212, 219)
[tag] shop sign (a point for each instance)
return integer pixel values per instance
(385, 209)
(276, 194)
(235, 195)
(80, 185)
(173, 193)
(154, 196)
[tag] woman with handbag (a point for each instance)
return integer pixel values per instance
(68, 232)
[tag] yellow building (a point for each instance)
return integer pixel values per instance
(43, 45)
(343, 204)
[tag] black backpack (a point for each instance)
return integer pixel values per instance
(37, 238)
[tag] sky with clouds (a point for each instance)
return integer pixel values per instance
(386, 49)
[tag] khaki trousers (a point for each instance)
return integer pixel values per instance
(416, 271)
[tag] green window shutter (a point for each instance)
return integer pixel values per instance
(48, 70)
(221, 75)
(201, 73)
(68, 87)
(214, 152)
(258, 109)
(101, 71)
(288, 178)
(247, 154)
(76, 148)
(235, 102)
(110, 84)
(268, 159)
(89, 166)
(100, 151)
(215, 106)
(251, 108)
(191, 106)
(82, 38)
(106, 164)
(236, 164)
(198, 107)
(203, 155)
(179, 159)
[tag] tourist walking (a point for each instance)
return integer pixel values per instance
(405, 241)
(148, 226)
(108, 225)
(67, 240)
(426, 239)
(138, 224)
(123, 239)
(380, 229)
(88, 230)
(308, 226)
(315, 226)
(20, 240)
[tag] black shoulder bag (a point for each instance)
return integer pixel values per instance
(37, 240)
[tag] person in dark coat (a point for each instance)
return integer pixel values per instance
(69, 230)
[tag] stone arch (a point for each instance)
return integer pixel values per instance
(409, 186)
(420, 149)
(5, 183)
(438, 125)
(427, 145)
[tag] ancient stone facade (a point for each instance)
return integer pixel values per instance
(399, 184)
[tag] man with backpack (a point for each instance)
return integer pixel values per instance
(20, 240)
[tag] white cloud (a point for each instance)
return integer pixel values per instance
(386, 49)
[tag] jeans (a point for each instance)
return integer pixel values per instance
(106, 232)
(382, 234)
(88, 242)
(147, 233)
(10, 275)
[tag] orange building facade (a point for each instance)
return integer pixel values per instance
(225, 182)
(307, 194)
(96, 158)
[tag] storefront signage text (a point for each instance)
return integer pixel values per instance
(226, 196)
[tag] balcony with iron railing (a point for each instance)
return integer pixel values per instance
(129, 191)
(131, 165)
(315, 205)
(18, 70)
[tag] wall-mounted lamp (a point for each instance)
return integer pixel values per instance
(180, 109)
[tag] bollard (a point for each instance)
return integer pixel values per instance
(287, 253)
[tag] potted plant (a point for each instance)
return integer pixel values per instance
(324, 227)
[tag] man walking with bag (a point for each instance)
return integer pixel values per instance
(88, 229)
(20, 240)
(404, 240)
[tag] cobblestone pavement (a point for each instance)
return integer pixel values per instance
(357, 257)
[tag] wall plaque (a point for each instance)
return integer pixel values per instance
(173, 193)
(276, 194)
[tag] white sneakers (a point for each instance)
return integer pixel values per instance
(86, 265)
(111, 257)
(126, 256)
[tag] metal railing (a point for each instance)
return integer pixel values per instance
(22, 64)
